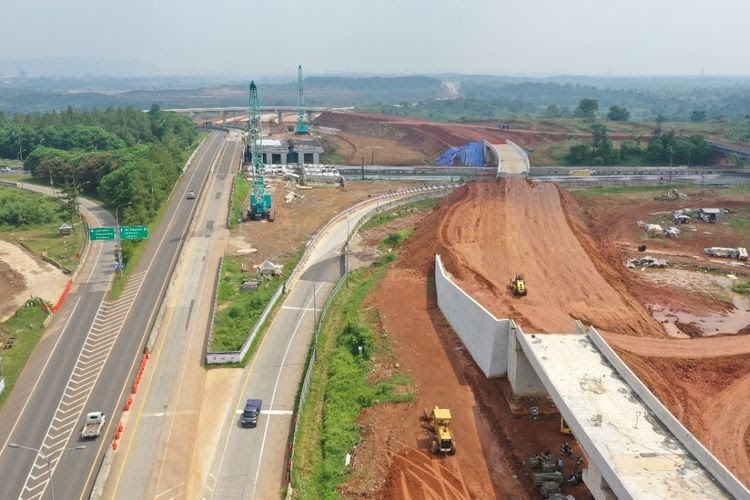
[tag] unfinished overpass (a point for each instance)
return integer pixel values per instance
(635, 447)
(509, 157)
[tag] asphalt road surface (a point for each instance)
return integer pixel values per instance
(89, 357)
(154, 456)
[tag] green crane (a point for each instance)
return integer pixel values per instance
(260, 200)
(301, 127)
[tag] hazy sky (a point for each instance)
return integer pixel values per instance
(519, 37)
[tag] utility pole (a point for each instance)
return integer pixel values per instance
(670, 165)
(120, 266)
(47, 459)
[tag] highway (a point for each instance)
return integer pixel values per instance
(88, 358)
(154, 456)
(251, 463)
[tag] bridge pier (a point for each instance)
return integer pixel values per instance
(521, 375)
(596, 483)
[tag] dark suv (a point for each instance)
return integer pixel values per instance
(251, 412)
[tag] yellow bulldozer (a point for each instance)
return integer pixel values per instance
(437, 423)
(518, 285)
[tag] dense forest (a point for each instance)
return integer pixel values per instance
(122, 156)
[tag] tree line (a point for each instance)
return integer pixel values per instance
(120, 155)
(661, 148)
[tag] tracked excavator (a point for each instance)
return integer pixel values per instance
(437, 423)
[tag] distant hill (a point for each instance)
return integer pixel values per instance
(481, 96)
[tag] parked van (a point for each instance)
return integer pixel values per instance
(251, 412)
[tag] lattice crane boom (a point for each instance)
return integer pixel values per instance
(301, 127)
(260, 200)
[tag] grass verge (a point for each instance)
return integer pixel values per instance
(241, 191)
(342, 385)
(742, 287)
(239, 310)
(399, 212)
(25, 327)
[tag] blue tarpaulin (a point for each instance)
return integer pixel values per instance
(470, 154)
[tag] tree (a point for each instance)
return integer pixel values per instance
(552, 111)
(603, 153)
(587, 109)
(698, 116)
(618, 114)
(69, 203)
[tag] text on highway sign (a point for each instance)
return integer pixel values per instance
(133, 232)
(101, 233)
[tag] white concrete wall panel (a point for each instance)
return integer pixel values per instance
(484, 336)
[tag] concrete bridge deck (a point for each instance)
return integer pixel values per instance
(611, 421)
(511, 158)
(635, 447)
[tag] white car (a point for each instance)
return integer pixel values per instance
(191, 195)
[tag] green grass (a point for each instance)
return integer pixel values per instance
(618, 190)
(26, 325)
(399, 212)
(395, 239)
(39, 233)
(241, 191)
(742, 287)
(341, 386)
(233, 323)
(44, 240)
(739, 221)
(239, 310)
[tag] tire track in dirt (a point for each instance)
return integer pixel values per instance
(430, 478)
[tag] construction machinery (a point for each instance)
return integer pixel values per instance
(260, 200)
(518, 285)
(301, 127)
(437, 423)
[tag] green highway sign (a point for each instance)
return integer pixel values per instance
(101, 233)
(133, 232)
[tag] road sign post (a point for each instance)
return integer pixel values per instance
(133, 232)
(101, 233)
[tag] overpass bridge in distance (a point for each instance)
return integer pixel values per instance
(636, 449)
(730, 149)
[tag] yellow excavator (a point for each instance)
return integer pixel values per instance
(518, 284)
(437, 423)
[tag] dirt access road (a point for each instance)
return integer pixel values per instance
(486, 232)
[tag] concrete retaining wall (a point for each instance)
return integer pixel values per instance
(521, 152)
(725, 478)
(485, 336)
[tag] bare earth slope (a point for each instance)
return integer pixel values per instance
(495, 230)
(487, 232)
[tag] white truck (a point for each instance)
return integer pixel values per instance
(93, 426)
